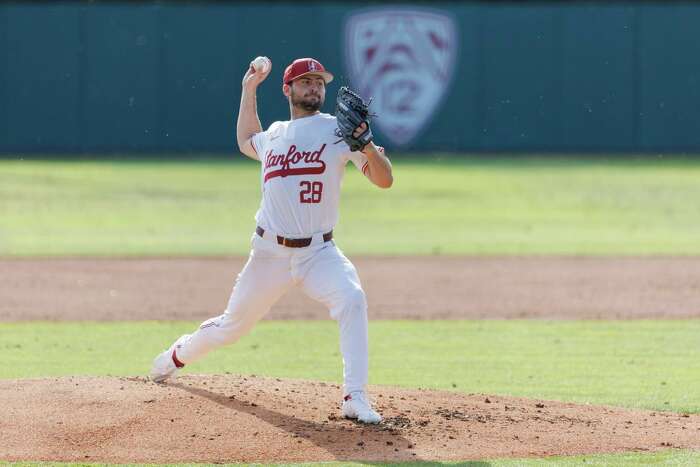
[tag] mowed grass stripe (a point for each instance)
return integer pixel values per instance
(667, 457)
(438, 205)
(639, 364)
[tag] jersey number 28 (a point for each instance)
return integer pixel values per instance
(311, 192)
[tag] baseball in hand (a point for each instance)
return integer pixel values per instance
(261, 64)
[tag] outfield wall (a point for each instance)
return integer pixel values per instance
(467, 76)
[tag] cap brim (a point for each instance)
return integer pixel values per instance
(327, 77)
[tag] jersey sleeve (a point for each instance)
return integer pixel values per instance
(258, 141)
(359, 159)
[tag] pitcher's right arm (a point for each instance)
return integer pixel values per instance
(248, 122)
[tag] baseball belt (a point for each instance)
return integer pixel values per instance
(295, 242)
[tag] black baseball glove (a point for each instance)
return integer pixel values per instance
(351, 111)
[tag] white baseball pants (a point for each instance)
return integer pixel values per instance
(323, 273)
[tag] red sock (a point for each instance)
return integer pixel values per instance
(177, 362)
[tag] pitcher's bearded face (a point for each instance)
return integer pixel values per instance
(308, 93)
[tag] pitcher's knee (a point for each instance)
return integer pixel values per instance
(354, 301)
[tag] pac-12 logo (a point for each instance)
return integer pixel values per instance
(404, 58)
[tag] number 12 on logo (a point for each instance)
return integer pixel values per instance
(311, 192)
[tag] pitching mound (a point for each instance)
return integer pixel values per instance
(232, 418)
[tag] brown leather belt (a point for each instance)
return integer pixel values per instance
(295, 242)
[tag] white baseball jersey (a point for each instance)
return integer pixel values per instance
(302, 170)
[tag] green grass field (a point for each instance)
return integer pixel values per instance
(667, 458)
(639, 364)
(489, 205)
(437, 206)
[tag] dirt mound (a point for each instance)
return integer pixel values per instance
(255, 419)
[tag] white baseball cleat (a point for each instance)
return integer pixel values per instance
(166, 364)
(356, 405)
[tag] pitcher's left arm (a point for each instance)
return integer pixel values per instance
(378, 168)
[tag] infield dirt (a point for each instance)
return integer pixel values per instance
(397, 288)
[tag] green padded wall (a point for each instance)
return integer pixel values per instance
(608, 77)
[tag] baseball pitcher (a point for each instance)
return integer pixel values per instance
(302, 165)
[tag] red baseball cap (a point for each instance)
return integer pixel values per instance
(305, 66)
